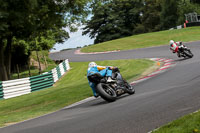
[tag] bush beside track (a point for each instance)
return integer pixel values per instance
(69, 89)
(146, 40)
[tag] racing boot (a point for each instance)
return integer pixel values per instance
(96, 95)
(110, 80)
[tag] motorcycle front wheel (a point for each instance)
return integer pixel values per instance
(129, 88)
(106, 92)
(188, 53)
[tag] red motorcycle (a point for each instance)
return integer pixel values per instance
(182, 51)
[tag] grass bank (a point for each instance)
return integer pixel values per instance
(146, 40)
(187, 124)
(69, 89)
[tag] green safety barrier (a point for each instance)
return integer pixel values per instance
(1, 90)
(41, 81)
(49, 81)
(64, 66)
(42, 75)
(37, 79)
(58, 71)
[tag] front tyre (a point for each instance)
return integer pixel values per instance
(106, 92)
(129, 88)
(188, 53)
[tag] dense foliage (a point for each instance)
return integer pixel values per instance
(114, 19)
(150, 21)
(27, 25)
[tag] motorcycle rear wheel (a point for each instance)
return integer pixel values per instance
(106, 92)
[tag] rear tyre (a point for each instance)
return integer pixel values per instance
(106, 92)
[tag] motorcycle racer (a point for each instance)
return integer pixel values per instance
(175, 47)
(94, 71)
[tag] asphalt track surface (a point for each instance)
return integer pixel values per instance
(157, 101)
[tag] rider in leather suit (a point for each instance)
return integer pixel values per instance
(94, 70)
(176, 47)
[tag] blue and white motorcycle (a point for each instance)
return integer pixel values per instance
(109, 91)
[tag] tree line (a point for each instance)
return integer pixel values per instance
(34, 25)
(114, 19)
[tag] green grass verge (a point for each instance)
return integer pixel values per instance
(146, 40)
(69, 89)
(187, 124)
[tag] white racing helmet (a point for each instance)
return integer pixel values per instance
(92, 64)
(171, 42)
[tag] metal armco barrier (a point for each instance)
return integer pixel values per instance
(41, 81)
(58, 71)
(1, 90)
(67, 64)
(55, 75)
(18, 87)
(64, 66)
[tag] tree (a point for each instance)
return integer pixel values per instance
(195, 1)
(25, 19)
(169, 13)
(151, 15)
(113, 19)
(185, 8)
(20, 53)
(45, 41)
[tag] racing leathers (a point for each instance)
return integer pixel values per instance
(102, 70)
(175, 48)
